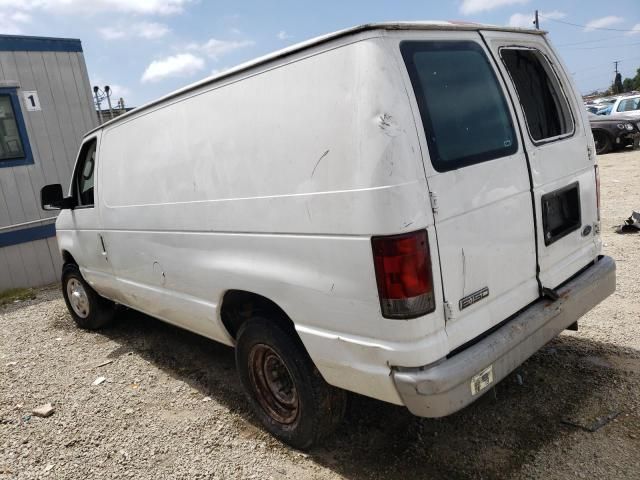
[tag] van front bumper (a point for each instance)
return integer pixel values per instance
(453, 383)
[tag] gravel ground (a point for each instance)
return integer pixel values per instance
(171, 405)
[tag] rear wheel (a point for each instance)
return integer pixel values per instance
(603, 142)
(285, 389)
(88, 309)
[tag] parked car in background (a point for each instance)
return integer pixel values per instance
(600, 106)
(604, 110)
(628, 107)
(613, 131)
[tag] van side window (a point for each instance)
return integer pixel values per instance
(85, 170)
(464, 112)
(545, 106)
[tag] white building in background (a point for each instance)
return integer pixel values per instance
(45, 108)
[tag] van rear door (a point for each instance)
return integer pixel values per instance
(557, 139)
(478, 178)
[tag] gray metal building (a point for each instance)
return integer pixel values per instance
(46, 107)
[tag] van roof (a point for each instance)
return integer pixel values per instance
(423, 25)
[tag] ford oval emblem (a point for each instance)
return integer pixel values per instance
(586, 230)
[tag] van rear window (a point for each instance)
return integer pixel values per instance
(464, 112)
(544, 105)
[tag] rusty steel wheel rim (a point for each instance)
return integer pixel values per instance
(273, 384)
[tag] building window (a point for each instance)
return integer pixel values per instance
(14, 143)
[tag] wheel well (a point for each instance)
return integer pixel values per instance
(68, 258)
(238, 306)
(602, 130)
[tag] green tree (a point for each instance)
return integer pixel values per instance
(617, 84)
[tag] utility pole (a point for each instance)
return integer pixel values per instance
(617, 82)
(536, 21)
(107, 91)
(98, 101)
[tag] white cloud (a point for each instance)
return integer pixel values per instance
(20, 17)
(469, 7)
(283, 35)
(521, 20)
(111, 33)
(143, 7)
(215, 48)
(603, 22)
(181, 65)
(635, 30)
(148, 30)
(525, 20)
(553, 15)
(11, 23)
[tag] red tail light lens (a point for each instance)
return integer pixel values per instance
(403, 273)
(598, 190)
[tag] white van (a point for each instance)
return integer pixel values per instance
(403, 210)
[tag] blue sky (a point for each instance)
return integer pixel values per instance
(146, 48)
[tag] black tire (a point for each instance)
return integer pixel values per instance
(305, 408)
(603, 142)
(91, 311)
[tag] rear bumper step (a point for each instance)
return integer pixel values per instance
(454, 383)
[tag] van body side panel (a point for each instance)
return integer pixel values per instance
(556, 162)
(274, 183)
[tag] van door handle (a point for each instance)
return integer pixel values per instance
(104, 250)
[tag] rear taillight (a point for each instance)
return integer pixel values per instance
(598, 190)
(403, 273)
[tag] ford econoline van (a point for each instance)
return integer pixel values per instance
(403, 210)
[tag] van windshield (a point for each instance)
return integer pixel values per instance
(463, 109)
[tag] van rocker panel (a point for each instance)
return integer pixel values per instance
(449, 385)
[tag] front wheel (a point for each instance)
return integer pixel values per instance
(285, 389)
(88, 309)
(602, 141)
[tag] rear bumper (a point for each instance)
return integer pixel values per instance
(449, 385)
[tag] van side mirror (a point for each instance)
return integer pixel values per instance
(52, 198)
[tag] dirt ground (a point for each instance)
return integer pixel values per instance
(172, 406)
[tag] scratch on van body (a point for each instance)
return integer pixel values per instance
(308, 212)
(407, 224)
(464, 272)
(318, 163)
(388, 126)
(385, 121)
